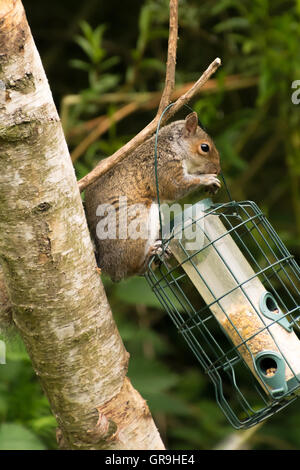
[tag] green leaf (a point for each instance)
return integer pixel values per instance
(136, 291)
(166, 403)
(158, 33)
(11, 370)
(91, 42)
(232, 23)
(139, 335)
(18, 437)
(108, 63)
(105, 83)
(145, 19)
(86, 29)
(152, 64)
(3, 404)
(144, 27)
(85, 45)
(81, 170)
(16, 351)
(80, 64)
(42, 423)
(150, 376)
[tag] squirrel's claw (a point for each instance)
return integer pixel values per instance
(211, 182)
(157, 249)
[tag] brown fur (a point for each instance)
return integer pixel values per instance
(181, 169)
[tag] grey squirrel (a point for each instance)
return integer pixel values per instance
(187, 160)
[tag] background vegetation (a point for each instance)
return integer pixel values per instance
(93, 49)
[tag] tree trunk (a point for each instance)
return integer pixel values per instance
(59, 304)
(5, 306)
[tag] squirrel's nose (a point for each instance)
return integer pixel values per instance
(216, 170)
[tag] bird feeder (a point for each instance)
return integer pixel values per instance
(232, 289)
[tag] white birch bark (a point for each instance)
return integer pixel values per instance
(59, 304)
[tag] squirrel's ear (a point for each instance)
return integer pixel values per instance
(191, 123)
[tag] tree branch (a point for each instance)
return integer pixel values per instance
(144, 134)
(102, 127)
(168, 88)
(143, 100)
(171, 61)
(194, 90)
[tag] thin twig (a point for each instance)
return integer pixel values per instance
(151, 100)
(144, 134)
(186, 97)
(171, 61)
(102, 127)
(166, 97)
(128, 148)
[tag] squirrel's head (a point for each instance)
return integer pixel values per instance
(202, 157)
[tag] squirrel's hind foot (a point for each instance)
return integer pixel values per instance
(158, 249)
(164, 253)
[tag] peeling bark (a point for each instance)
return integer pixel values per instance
(59, 304)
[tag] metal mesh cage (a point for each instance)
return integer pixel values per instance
(235, 300)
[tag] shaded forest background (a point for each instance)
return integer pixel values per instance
(107, 60)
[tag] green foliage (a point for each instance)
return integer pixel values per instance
(148, 31)
(17, 437)
(91, 43)
(256, 130)
(97, 65)
(27, 422)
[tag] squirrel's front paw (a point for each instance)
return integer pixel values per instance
(211, 182)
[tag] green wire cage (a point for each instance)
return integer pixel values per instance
(232, 289)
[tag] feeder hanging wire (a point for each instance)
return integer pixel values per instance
(156, 162)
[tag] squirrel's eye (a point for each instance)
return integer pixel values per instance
(205, 148)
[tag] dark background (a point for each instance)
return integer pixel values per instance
(256, 129)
